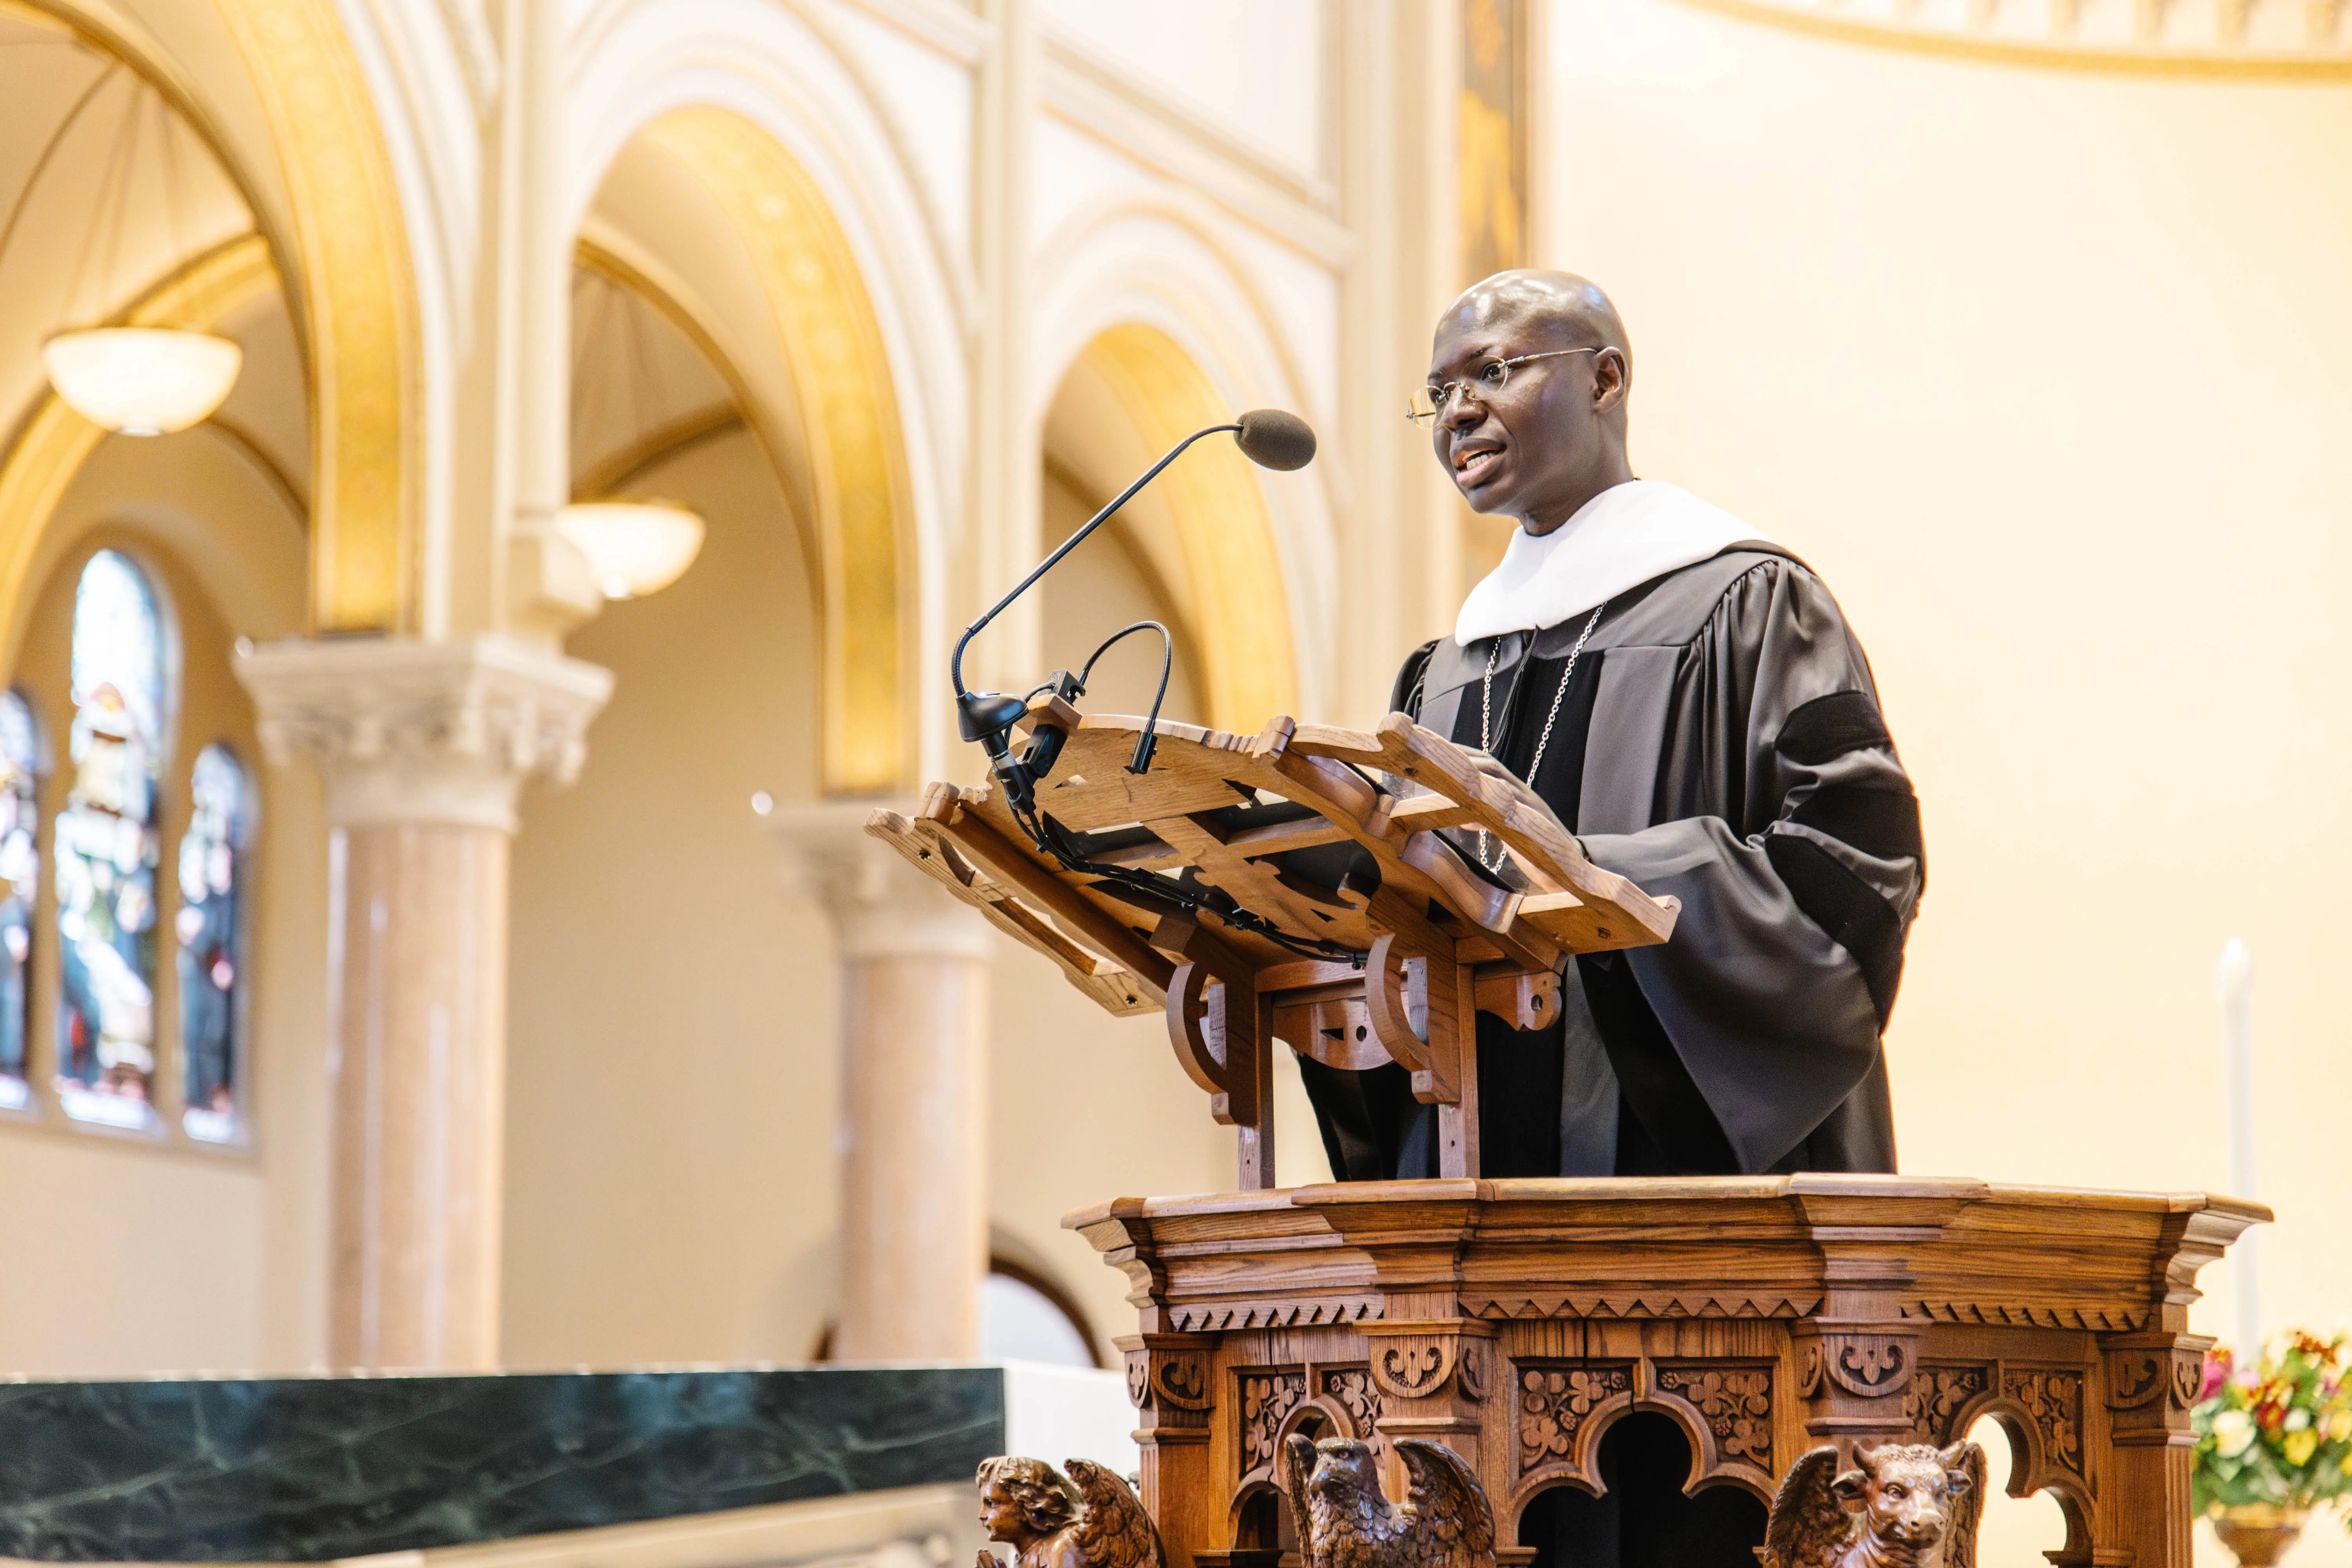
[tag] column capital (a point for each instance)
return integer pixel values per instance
(439, 734)
(881, 906)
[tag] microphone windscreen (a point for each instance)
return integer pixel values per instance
(1274, 439)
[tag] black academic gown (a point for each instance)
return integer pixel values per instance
(1718, 740)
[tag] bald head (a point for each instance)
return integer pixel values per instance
(1566, 310)
(1553, 435)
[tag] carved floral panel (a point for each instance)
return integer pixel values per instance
(1555, 1402)
(2053, 1400)
(1267, 1399)
(1936, 1397)
(1353, 1390)
(1736, 1404)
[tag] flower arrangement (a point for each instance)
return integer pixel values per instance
(2278, 1433)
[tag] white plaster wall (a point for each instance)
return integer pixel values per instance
(1253, 67)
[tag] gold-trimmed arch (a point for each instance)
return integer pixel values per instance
(346, 275)
(861, 503)
(1239, 611)
(358, 297)
(54, 442)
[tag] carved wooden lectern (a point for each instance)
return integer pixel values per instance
(1517, 1321)
(1376, 953)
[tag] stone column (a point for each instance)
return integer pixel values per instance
(422, 747)
(914, 1097)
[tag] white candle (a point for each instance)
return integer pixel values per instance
(2233, 984)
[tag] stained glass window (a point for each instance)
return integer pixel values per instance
(20, 886)
(107, 850)
(212, 948)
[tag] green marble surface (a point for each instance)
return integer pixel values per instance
(305, 1470)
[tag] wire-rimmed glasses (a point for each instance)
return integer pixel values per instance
(1485, 382)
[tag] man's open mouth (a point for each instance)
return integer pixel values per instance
(1473, 462)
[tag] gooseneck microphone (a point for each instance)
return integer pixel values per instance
(1273, 438)
(1269, 438)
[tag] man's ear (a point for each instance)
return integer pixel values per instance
(1611, 379)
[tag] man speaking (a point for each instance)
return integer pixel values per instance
(1686, 697)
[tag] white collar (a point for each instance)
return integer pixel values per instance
(1620, 539)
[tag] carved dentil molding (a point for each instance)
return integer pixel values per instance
(424, 733)
(880, 905)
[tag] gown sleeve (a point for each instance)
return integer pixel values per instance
(1785, 826)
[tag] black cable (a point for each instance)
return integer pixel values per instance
(1045, 834)
(1145, 742)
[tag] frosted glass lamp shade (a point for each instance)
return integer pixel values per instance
(141, 380)
(634, 547)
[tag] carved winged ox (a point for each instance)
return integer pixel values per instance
(1090, 1520)
(1904, 1505)
(1345, 1520)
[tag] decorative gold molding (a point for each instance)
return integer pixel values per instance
(862, 503)
(1816, 18)
(53, 442)
(353, 251)
(1240, 614)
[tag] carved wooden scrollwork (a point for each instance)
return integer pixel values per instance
(1555, 1402)
(1182, 1379)
(1809, 1369)
(1177, 1379)
(1414, 1367)
(1472, 1370)
(2052, 1399)
(1267, 1399)
(1735, 1403)
(1866, 1364)
(2136, 1377)
(1937, 1396)
(2188, 1378)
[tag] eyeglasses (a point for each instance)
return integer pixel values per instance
(1487, 381)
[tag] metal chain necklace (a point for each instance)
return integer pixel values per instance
(1487, 711)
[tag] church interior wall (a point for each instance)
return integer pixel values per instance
(672, 1056)
(1254, 68)
(137, 1253)
(2043, 371)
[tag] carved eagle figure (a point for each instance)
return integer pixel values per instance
(1904, 1505)
(1345, 1520)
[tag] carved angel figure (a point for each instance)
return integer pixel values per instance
(1089, 1521)
(1346, 1522)
(1904, 1505)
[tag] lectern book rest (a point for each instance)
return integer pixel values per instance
(1371, 935)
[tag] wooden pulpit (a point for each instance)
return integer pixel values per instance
(1365, 930)
(1357, 896)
